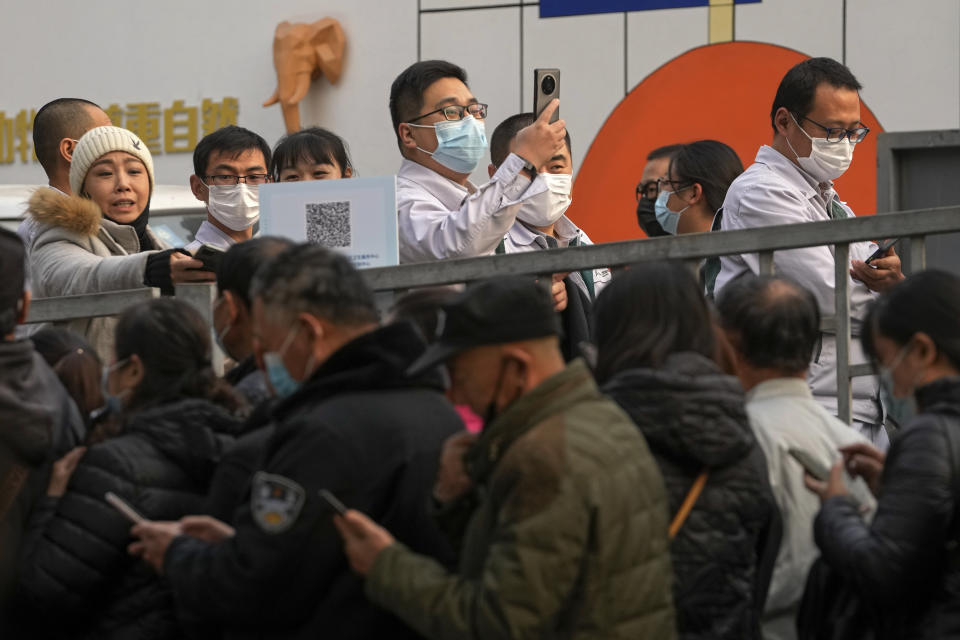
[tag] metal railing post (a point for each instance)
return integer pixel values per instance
(201, 296)
(766, 263)
(918, 254)
(841, 290)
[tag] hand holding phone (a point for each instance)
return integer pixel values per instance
(120, 505)
(882, 249)
(546, 87)
(810, 464)
(333, 502)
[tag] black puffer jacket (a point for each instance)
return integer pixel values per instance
(693, 418)
(76, 568)
(38, 423)
(900, 565)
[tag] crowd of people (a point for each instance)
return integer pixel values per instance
(647, 452)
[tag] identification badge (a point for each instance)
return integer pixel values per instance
(275, 502)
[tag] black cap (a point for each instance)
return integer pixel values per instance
(13, 267)
(495, 311)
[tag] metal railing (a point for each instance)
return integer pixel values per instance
(765, 241)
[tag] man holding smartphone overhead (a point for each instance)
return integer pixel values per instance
(439, 125)
(816, 126)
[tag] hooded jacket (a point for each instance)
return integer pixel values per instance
(569, 536)
(38, 423)
(905, 565)
(361, 429)
(75, 249)
(75, 567)
(693, 418)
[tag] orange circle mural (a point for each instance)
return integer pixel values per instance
(720, 91)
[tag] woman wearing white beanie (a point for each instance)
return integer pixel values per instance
(99, 240)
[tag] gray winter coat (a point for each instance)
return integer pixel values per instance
(74, 249)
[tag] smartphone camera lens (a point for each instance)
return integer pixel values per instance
(548, 85)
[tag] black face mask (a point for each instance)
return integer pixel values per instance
(647, 219)
(140, 226)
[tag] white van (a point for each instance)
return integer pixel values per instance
(175, 214)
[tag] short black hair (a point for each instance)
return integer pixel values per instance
(709, 163)
(315, 145)
(56, 120)
(665, 151)
(13, 266)
(421, 308)
(406, 92)
(241, 261)
(776, 322)
(647, 313)
(317, 280)
(798, 88)
(231, 140)
(507, 130)
(926, 302)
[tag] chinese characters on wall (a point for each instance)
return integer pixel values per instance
(174, 129)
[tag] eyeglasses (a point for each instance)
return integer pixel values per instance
(673, 187)
(648, 190)
(836, 134)
(226, 180)
(455, 112)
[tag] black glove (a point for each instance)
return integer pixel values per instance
(157, 273)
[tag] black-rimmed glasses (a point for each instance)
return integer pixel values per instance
(227, 180)
(455, 112)
(836, 134)
(648, 190)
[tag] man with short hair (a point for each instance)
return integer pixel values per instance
(57, 128)
(658, 164)
(229, 165)
(773, 325)
(39, 422)
(542, 224)
(568, 532)
(816, 126)
(233, 312)
(439, 125)
(350, 421)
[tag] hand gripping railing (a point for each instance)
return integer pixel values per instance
(765, 241)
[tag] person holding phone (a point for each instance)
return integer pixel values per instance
(904, 565)
(440, 129)
(100, 238)
(175, 421)
(816, 128)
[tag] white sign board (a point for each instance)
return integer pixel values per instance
(356, 216)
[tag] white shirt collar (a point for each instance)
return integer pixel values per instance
(443, 189)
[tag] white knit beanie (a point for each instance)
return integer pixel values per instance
(100, 141)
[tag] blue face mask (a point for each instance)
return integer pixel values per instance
(112, 404)
(902, 410)
(460, 143)
(280, 379)
(668, 219)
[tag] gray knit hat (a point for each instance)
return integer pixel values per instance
(101, 141)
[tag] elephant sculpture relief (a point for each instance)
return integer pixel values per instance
(301, 53)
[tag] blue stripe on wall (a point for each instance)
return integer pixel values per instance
(553, 8)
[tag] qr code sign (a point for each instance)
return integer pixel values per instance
(328, 224)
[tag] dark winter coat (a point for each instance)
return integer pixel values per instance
(361, 429)
(905, 566)
(76, 568)
(39, 423)
(693, 418)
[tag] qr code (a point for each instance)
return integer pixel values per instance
(328, 224)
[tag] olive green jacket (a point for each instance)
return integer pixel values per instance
(569, 539)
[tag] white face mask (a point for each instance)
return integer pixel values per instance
(828, 160)
(236, 206)
(544, 209)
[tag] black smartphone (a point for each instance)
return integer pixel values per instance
(810, 464)
(546, 87)
(882, 249)
(120, 505)
(210, 256)
(332, 501)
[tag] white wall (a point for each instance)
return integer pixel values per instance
(908, 58)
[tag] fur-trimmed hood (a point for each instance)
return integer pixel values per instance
(53, 208)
